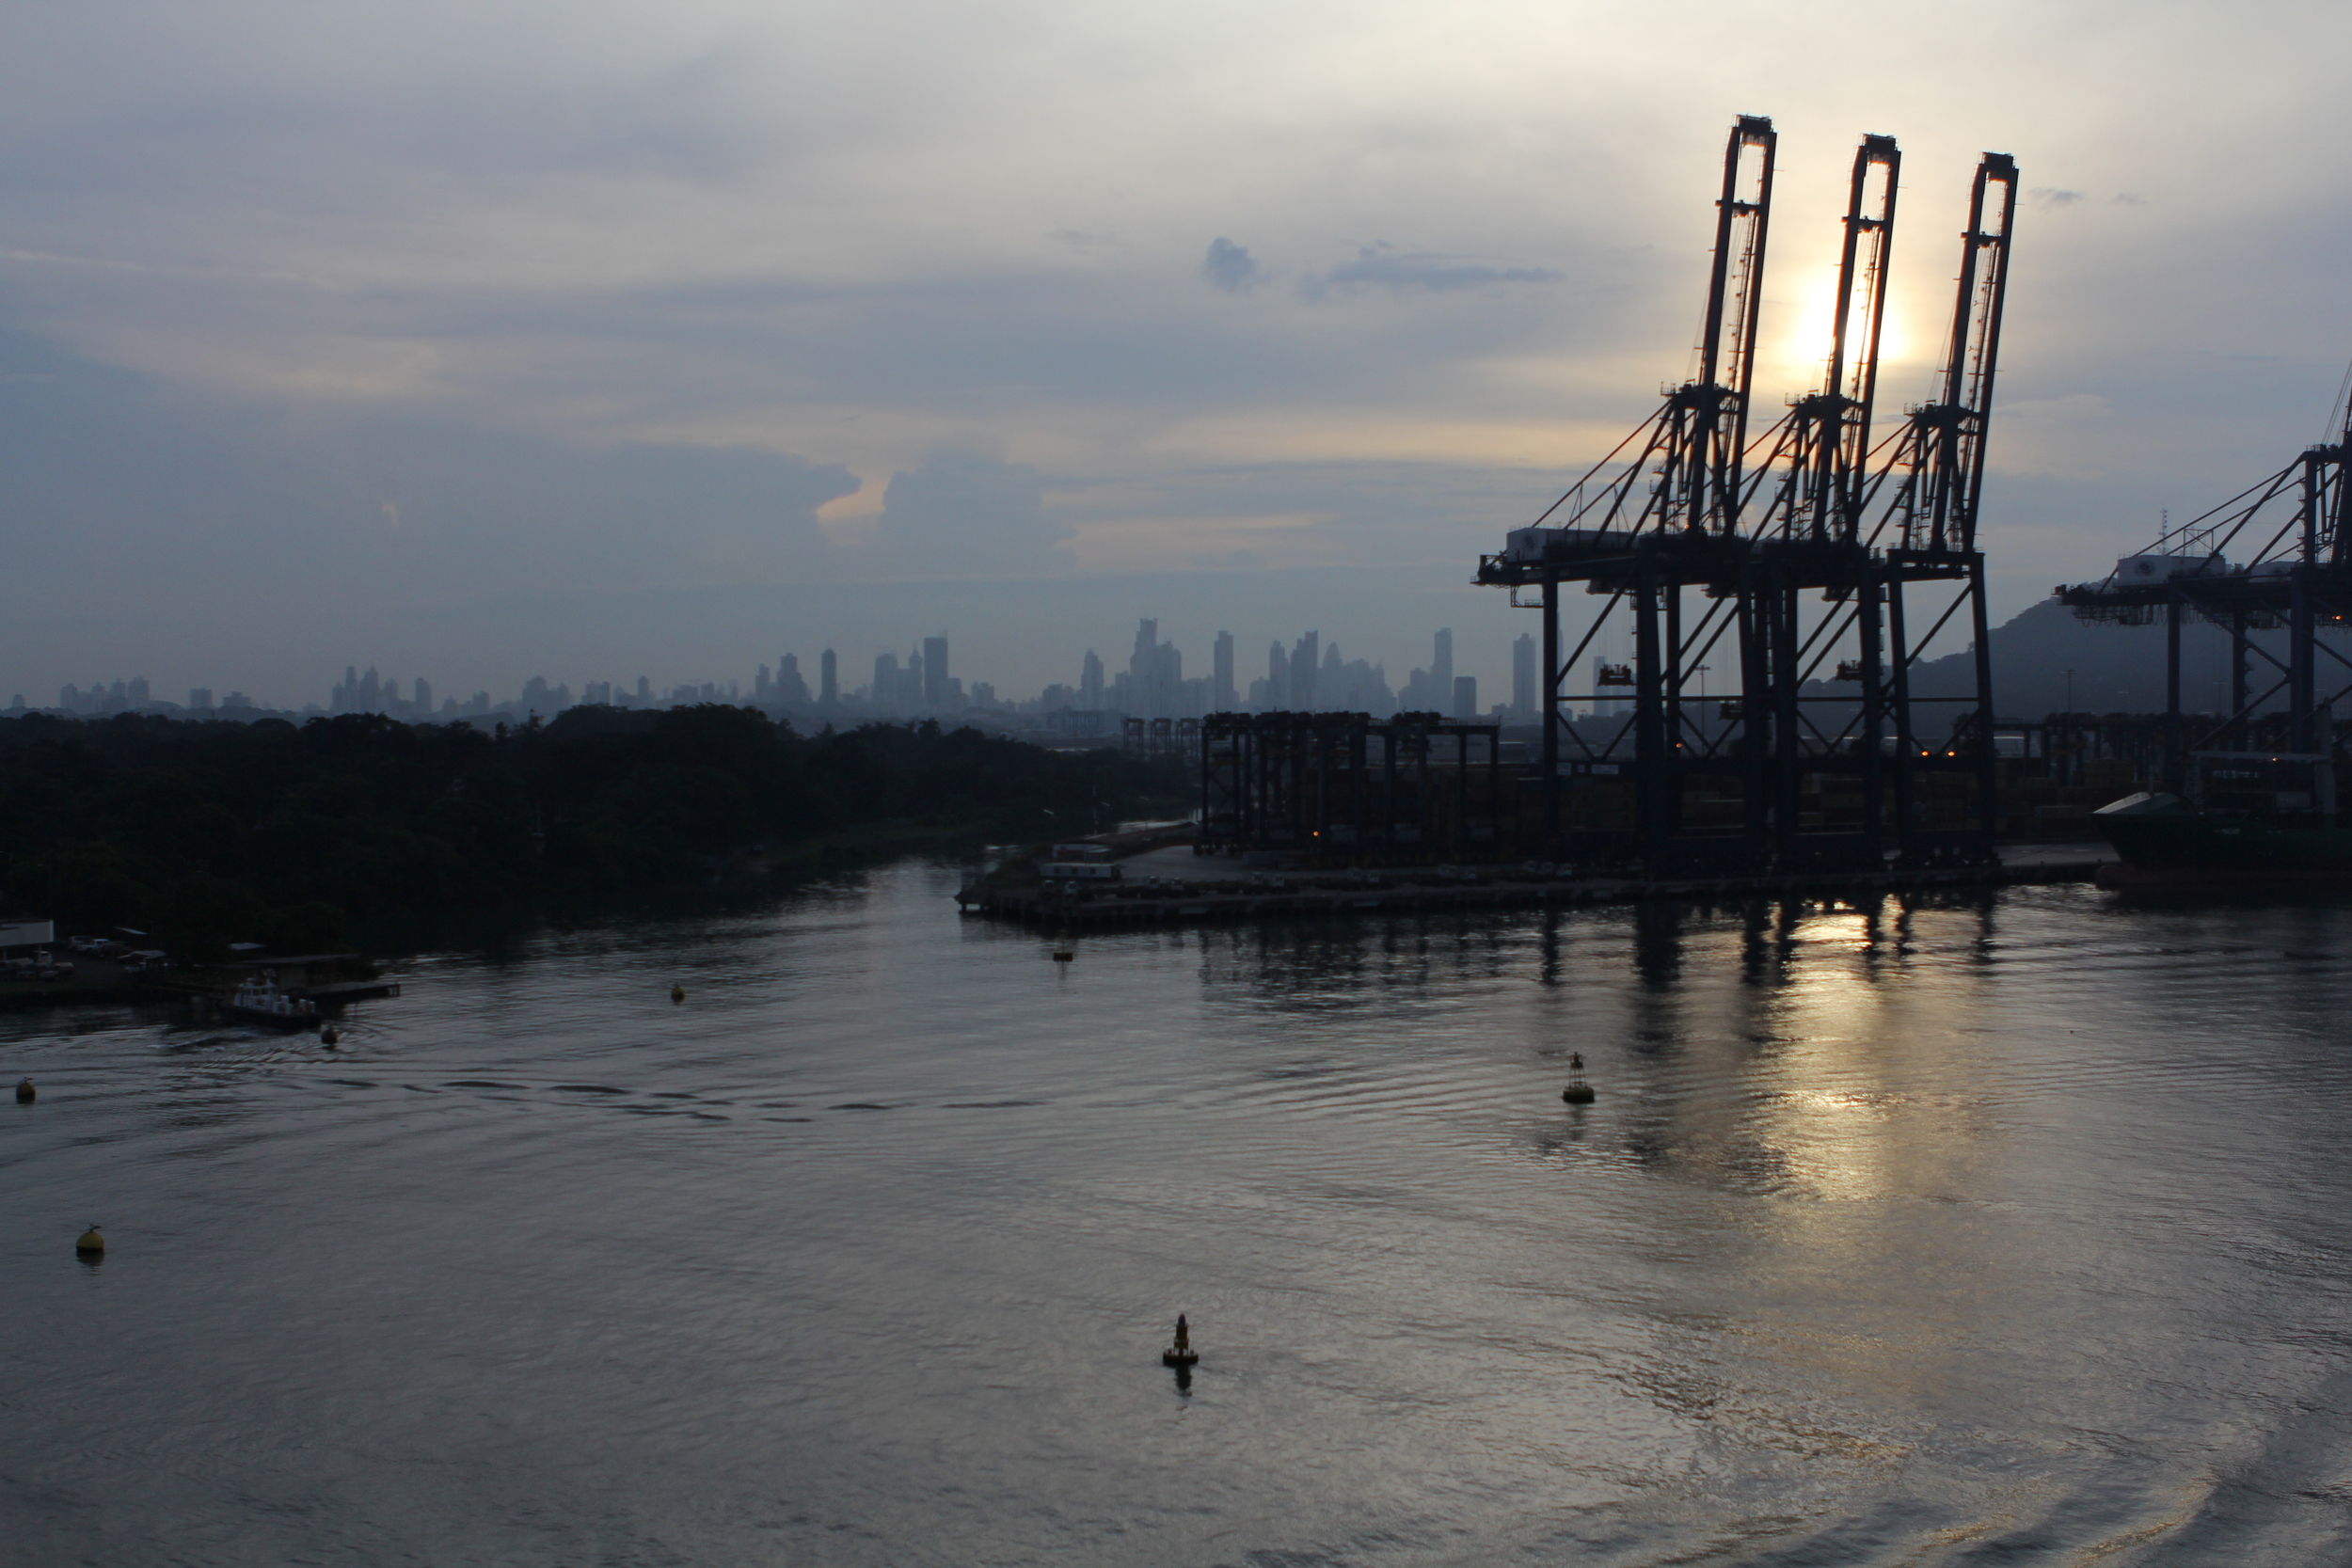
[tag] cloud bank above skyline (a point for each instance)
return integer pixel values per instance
(402, 317)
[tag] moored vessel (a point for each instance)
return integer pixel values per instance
(259, 1001)
(2256, 820)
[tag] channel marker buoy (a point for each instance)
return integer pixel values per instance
(89, 1243)
(25, 1091)
(1578, 1092)
(1181, 1354)
(677, 993)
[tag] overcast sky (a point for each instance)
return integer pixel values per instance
(478, 340)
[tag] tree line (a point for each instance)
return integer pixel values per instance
(205, 833)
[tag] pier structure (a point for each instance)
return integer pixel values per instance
(2292, 573)
(1806, 568)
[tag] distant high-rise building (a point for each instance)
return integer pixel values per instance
(1155, 675)
(1305, 660)
(1222, 695)
(1090, 682)
(828, 679)
(1277, 676)
(201, 696)
(1465, 696)
(935, 693)
(1441, 663)
(1523, 698)
(1604, 705)
(790, 688)
(424, 698)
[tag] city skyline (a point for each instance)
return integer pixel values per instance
(1309, 674)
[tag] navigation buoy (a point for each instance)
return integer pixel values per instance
(1181, 1354)
(25, 1091)
(677, 993)
(330, 1036)
(1063, 955)
(1576, 1061)
(90, 1241)
(1578, 1093)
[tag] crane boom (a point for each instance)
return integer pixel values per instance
(1945, 448)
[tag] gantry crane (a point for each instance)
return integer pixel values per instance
(2292, 572)
(1692, 533)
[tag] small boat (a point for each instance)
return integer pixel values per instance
(261, 1001)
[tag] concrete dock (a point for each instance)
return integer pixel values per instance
(1173, 886)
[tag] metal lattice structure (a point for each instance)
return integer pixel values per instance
(1338, 787)
(2294, 573)
(1805, 558)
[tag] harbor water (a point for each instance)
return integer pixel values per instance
(2007, 1230)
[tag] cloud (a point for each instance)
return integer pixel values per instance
(1229, 267)
(1379, 266)
(2052, 197)
(963, 513)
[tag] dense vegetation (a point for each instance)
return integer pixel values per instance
(203, 833)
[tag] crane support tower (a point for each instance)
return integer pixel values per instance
(1803, 568)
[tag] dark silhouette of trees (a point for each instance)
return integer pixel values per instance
(202, 833)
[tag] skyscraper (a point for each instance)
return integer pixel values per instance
(789, 686)
(935, 674)
(1222, 695)
(1277, 676)
(828, 679)
(1523, 699)
(1441, 664)
(1091, 683)
(1305, 658)
(1465, 696)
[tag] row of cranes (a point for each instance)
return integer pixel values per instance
(1816, 556)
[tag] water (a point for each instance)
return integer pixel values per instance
(2010, 1233)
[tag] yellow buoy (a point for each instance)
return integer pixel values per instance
(329, 1038)
(677, 993)
(24, 1092)
(90, 1241)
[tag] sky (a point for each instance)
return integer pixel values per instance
(486, 339)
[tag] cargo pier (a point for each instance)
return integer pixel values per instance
(1152, 893)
